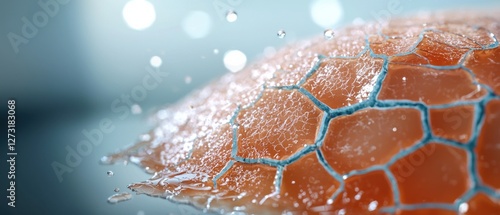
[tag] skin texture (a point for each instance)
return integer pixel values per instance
(385, 118)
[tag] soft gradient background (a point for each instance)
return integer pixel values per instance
(65, 79)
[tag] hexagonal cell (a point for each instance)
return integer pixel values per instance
(244, 182)
(484, 64)
(488, 146)
(438, 53)
(431, 86)
(482, 204)
(365, 194)
(463, 36)
(454, 123)
(426, 212)
(436, 173)
(370, 137)
(348, 42)
(344, 82)
(392, 45)
(279, 124)
(210, 153)
(306, 184)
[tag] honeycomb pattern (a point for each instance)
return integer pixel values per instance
(374, 121)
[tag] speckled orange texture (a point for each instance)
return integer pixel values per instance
(394, 118)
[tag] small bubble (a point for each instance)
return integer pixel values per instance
(110, 173)
(345, 177)
(231, 16)
(117, 190)
(293, 182)
(187, 79)
(136, 109)
(329, 201)
(394, 129)
(328, 33)
(281, 34)
(404, 78)
(216, 51)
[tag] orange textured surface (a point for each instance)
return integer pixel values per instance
(394, 118)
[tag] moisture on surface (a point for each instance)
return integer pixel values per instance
(394, 118)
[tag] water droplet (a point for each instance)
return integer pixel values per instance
(404, 78)
(463, 208)
(239, 208)
(372, 206)
(341, 212)
(119, 197)
(345, 177)
(281, 34)
(117, 190)
(187, 79)
(234, 60)
(372, 159)
(106, 160)
(145, 137)
(293, 182)
(231, 16)
(155, 61)
(328, 33)
(216, 51)
(296, 204)
(110, 173)
(136, 109)
(329, 201)
(394, 129)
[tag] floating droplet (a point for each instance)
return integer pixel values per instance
(281, 34)
(216, 51)
(329, 201)
(231, 16)
(110, 173)
(394, 129)
(328, 33)
(187, 79)
(155, 61)
(136, 109)
(345, 177)
(235, 60)
(404, 78)
(117, 190)
(119, 197)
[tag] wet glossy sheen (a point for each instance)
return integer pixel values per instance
(397, 118)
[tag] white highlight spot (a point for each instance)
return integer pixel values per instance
(136, 109)
(372, 206)
(463, 208)
(235, 60)
(197, 24)
(155, 61)
(231, 16)
(139, 14)
(326, 13)
(269, 51)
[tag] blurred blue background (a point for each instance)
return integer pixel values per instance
(66, 62)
